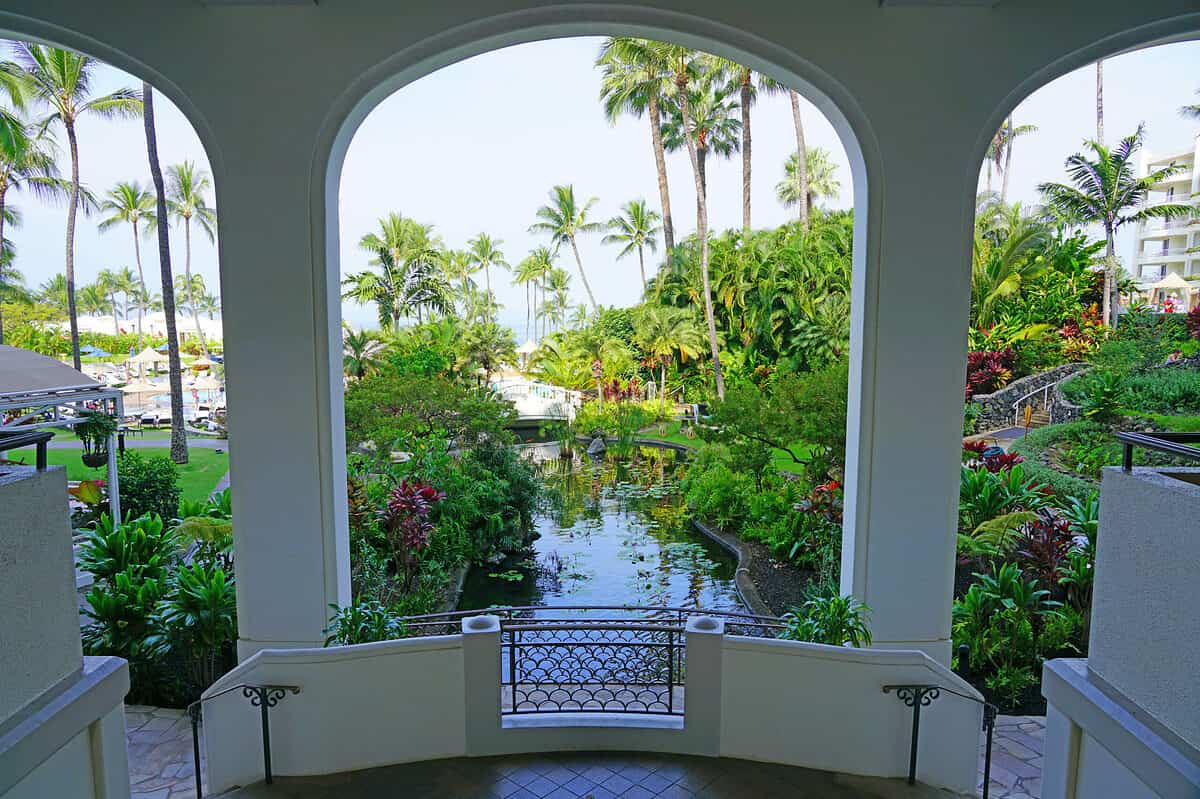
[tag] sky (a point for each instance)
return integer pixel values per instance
(472, 149)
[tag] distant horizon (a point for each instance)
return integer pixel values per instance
(472, 162)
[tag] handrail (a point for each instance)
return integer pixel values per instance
(918, 696)
(39, 438)
(1173, 443)
(260, 696)
(457, 614)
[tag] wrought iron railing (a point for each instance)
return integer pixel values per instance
(450, 623)
(263, 697)
(589, 666)
(1172, 443)
(919, 696)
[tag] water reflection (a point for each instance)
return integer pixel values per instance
(613, 532)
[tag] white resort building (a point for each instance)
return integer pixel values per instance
(1163, 248)
(915, 89)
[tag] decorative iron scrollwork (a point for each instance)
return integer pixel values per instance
(258, 694)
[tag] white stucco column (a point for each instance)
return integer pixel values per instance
(287, 456)
(908, 364)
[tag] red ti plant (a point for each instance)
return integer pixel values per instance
(1002, 462)
(406, 522)
(1045, 546)
(989, 371)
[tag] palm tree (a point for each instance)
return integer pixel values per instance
(401, 289)
(1190, 111)
(999, 152)
(62, 80)
(1100, 101)
(113, 282)
(822, 179)
(484, 253)
(360, 352)
(636, 79)
(487, 346)
(1006, 253)
(128, 204)
(683, 67)
(714, 125)
(801, 155)
(543, 264)
(564, 219)
(209, 304)
(634, 231)
(663, 331)
(179, 448)
(595, 347)
(554, 309)
(54, 292)
(94, 300)
(186, 190)
(1104, 191)
(527, 274)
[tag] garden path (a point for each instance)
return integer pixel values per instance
(160, 755)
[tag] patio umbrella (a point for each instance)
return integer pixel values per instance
(149, 357)
(162, 347)
(207, 383)
(86, 349)
(99, 353)
(201, 363)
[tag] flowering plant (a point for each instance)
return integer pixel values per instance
(406, 522)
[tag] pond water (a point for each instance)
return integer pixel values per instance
(613, 532)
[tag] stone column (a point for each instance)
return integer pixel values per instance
(283, 362)
(907, 370)
(704, 689)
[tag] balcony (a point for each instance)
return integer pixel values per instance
(1169, 254)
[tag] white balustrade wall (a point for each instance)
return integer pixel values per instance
(786, 702)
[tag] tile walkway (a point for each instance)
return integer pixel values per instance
(160, 767)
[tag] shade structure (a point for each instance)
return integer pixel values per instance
(149, 357)
(99, 353)
(528, 348)
(207, 383)
(202, 363)
(1174, 281)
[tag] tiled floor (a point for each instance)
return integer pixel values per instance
(584, 775)
(160, 767)
(160, 753)
(1017, 757)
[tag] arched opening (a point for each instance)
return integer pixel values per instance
(1084, 223)
(81, 280)
(406, 186)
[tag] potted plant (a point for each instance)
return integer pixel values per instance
(94, 431)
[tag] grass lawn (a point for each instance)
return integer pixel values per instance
(779, 459)
(1177, 424)
(197, 477)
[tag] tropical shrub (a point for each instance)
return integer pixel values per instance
(406, 523)
(364, 622)
(989, 371)
(196, 623)
(1193, 322)
(148, 485)
(829, 619)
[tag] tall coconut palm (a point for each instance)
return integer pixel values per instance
(484, 253)
(564, 219)
(554, 307)
(662, 332)
(822, 179)
(113, 282)
(542, 263)
(527, 274)
(94, 300)
(62, 81)
(683, 68)
(53, 292)
(127, 203)
(714, 125)
(179, 448)
(1106, 191)
(1190, 111)
(801, 155)
(634, 230)
(636, 79)
(187, 188)
(402, 289)
(999, 152)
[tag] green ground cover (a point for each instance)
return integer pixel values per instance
(671, 431)
(197, 478)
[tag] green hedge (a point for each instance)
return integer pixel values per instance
(1034, 446)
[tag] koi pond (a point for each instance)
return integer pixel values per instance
(613, 531)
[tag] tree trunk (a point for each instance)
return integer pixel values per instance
(746, 150)
(1110, 281)
(582, 274)
(662, 391)
(702, 164)
(801, 158)
(137, 254)
(660, 163)
(72, 208)
(528, 308)
(112, 298)
(1008, 145)
(701, 233)
(642, 268)
(1100, 101)
(179, 448)
(187, 276)
(3, 192)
